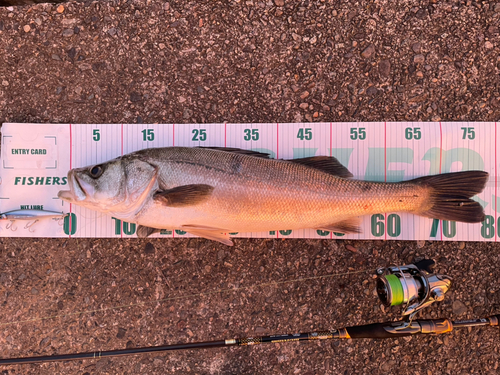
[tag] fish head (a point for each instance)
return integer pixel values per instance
(121, 185)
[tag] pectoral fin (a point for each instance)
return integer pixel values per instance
(143, 231)
(347, 226)
(185, 195)
(209, 233)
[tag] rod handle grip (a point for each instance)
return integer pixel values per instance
(495, 320)
(376, 331)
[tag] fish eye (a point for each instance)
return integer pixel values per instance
(96, 171)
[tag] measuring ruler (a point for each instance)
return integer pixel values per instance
(37, 157)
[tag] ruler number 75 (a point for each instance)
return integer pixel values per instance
(469, 133)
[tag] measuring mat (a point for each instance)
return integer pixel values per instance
(37, 157)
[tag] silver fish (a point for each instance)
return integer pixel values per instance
(210, 192)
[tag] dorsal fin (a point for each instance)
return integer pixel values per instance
(235, 150)
(327, 164)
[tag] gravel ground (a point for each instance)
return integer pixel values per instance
(242, 61)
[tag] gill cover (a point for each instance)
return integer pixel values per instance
(121, 185)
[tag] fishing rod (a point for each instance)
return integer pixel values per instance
(414, 286)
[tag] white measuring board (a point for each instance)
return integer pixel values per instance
(36, 159)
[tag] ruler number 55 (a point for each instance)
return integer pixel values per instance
(358, 133)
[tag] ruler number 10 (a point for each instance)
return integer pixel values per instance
(469, 133)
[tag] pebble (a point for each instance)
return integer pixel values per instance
(384, 68)
(304, 95)
(181, 99)
(121, 333)
(488, 45)
(351, 248)
(368, 51)
(459, 308)
(279, 3)
(5, 83)
(260, 330)
(135, 97)
(55, 57)
(112, 31)
(419, 59)
(416, 47)
(461, 245)
(68, 32)
(420, 244)
(149, 248)
(60, 9)
(26, 28)
(304, 105)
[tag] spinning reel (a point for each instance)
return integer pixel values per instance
(413, 285)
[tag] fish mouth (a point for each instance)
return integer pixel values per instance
(76, 192)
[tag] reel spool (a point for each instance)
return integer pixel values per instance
(413, 285)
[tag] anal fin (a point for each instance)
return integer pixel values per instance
(209, 233)
(351, 225)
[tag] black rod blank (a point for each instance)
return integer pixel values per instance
(376, 330)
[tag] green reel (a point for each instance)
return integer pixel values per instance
(413, 285)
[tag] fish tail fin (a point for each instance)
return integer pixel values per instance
(450, 195)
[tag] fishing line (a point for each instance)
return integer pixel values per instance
(188, 296)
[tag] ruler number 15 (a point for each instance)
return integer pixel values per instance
(469, 133)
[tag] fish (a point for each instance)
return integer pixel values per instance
(213, 191)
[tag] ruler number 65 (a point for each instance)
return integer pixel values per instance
(413, 133)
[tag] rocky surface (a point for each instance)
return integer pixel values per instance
(242, 61)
